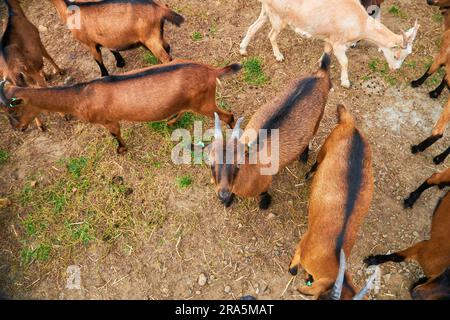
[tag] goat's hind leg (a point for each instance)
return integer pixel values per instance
(97, 54)
(254, 28)
(277, 26)
(340, 53)
(437, 64)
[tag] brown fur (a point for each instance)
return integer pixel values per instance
(296, 132)
(434, 254)
(22, 52)
(120, 25)
(150, 94)
(318, 250)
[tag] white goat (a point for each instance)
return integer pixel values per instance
(340, 23)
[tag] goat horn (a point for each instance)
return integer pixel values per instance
(368, 286)
(337, 288)
(237, 129)
(217, 127)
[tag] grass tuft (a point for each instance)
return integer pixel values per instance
(184, 182)
(150, 59)
(4, 157)
(253, 71)
(196, 36)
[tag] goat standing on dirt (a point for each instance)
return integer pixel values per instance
(22, 52)
(118, 26)
(442, 59)
(340, 198)
(347, 23)
(436, 134)
(150, 94)
(434, 254)
(296, 115)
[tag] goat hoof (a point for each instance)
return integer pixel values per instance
(415, 84)
(409, 203)
(279, 57)
(243, 51)
(122, 150)
(265, 201)
(371, 261)
(415, 149)
(434, 94)
(293, 271)
(439, 159)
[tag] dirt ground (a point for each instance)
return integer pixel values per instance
(161, 233)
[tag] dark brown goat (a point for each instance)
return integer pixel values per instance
(436, 134)
(119, 25)
(22, 52)
(434, 254)
(151, 94)
(340, 198)
(296, 115)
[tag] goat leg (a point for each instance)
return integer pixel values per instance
(120, 61)
(414, 196)
(421, 80)
(265, 201)
(424, 145)
(437, 92)
(440, 158)
(114, 129)
(39, 124)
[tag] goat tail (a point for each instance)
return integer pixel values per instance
(325, 62)
(233, 68)
(173, 17)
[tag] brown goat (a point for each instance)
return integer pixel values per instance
(151, 94)
(442, 59)
(340, 198)
(436, 134)
(22, 52)
(119, 25)
(296, 115)
(434, 254)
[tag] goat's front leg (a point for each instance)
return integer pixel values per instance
(254, 28)
(157, 48)
(441, 158)
(277, 25)
(340, 53)
(437, 92)
(114, 129)
(265, 201)
(97, 54)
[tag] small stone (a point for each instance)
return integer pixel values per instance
(198, 293)
(202, 280)
(42, 28)
(271, 216)
(227, 289)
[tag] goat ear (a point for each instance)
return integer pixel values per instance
(405, 39)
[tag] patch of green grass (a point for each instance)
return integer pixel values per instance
(196, 36)
(26, 194)
(40, 254)
(213, 30)
(396, 11)
(30, 225)
(4, 157)
(149, 58)
(184, 181)
(75, 166)
(186, 122)
(80, 232)
(382, 68)
(56, 198)
(253, 71)
(438, 17)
